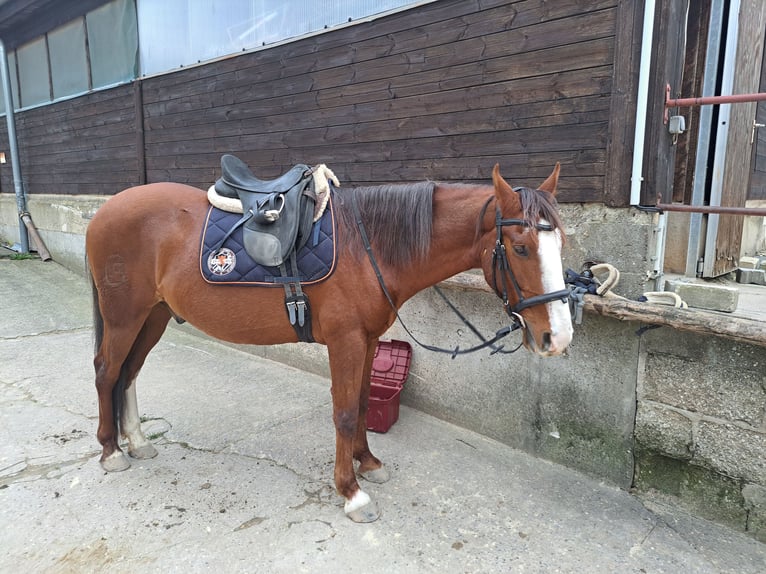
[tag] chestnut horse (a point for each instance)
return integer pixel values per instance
(143, 254)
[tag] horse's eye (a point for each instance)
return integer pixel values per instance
(521, 250)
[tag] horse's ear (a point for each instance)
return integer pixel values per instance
(507, 198)
(501, 186)
(552, 181)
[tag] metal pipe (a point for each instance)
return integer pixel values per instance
(21, 201)
(710, 100)
(642, 102)
(42, 250)
(717, 209)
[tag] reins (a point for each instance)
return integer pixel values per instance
(452, 352)
(499, 258)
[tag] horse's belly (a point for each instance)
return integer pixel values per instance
(244, 315)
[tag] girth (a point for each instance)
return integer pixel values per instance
(277, 214)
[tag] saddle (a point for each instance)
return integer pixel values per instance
(277, 214)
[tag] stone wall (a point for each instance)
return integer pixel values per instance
(701, 426)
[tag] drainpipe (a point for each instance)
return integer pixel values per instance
(25, 220)
(636, 178)
(21, 201)
(642, 103)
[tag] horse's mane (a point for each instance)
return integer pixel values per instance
(398, 219)
(537, 204)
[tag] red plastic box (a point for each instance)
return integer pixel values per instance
(390, 368)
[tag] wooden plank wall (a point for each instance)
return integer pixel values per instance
(442, 91)
(85, 145)
(668, 59)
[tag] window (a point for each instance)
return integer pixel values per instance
(14, 84)
(113, 43)
(175, 33)
(34, 84)
(102, 48)
(69, 65)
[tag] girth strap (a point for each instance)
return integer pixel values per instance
(296, 301)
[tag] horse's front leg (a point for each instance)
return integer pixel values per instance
(348, 359)
(370, 467)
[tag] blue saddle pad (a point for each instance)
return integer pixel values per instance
(233, 266)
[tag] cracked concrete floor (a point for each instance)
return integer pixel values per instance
(243, 480)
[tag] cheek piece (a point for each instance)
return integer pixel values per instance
(502, 267)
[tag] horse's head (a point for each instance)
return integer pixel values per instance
(521, 260)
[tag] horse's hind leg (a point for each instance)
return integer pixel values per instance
(111, 379)
(121, 351)
(138, 445)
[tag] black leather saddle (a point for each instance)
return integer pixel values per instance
(277, 214)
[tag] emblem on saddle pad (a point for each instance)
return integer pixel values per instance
(222, 261)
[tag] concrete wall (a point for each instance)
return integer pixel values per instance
(61, 221)
(693, 406)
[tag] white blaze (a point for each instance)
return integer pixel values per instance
(549, 253)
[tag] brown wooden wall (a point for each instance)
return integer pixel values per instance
(85, 145)
(442, 91)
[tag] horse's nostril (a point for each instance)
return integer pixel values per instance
(546, 341)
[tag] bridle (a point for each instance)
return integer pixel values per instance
(499, 262)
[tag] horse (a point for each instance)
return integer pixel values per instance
(142, 252)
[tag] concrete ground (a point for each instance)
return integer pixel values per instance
(243, 480)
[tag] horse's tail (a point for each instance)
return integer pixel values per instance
(118, 391)
(98, 319)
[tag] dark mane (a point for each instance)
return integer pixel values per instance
(398, 220)
(537, 204)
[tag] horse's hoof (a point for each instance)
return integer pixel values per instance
(361, 508)
(143, 452)
(115, 462)
(376, 475)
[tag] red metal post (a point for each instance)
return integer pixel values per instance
(722, 210)
(708, 100)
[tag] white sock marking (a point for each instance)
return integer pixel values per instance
(360, 499)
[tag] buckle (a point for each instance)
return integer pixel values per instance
(301, 304)
(291, 306)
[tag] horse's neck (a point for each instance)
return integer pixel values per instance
(453, 246)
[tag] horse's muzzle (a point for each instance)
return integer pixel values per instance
(550, 345)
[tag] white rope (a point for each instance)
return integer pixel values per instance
(322, 175)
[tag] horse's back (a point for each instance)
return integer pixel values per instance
(144, 200)
(146, 208)
(143, 220)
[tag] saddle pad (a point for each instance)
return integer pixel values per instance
(233, 266)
